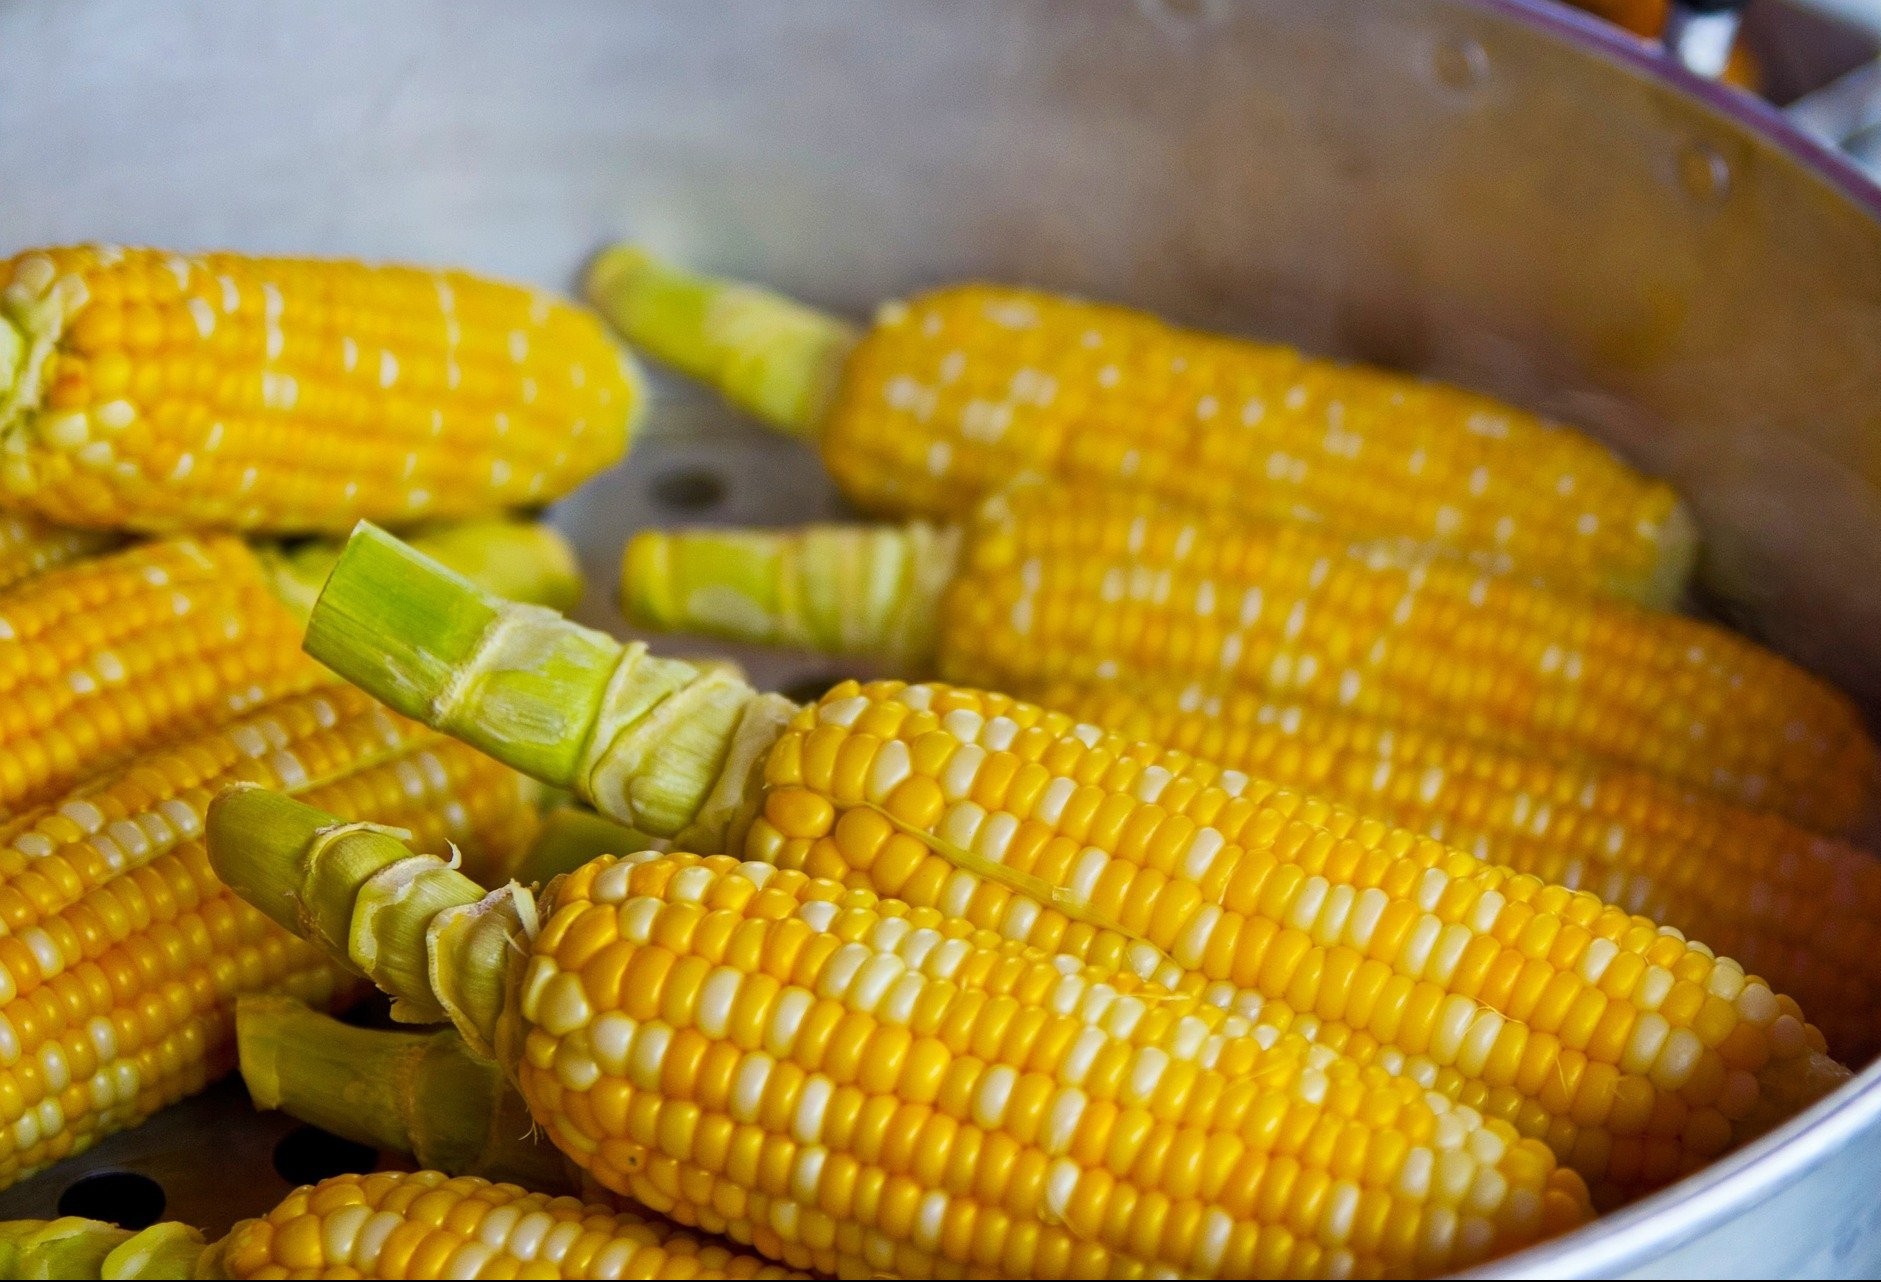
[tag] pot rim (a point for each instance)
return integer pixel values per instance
(1746, 110)
(1648, 1229)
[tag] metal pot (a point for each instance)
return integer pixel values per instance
(1489, 191)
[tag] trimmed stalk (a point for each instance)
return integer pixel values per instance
(662, 746)
(417, 928)
(424, 1094)
(766, 353)
(523, 560)
(841, 589)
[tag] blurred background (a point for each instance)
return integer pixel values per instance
(1819, 60)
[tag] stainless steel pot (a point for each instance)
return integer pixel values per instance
(1495, 192)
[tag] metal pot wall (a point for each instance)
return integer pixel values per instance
(1495, 192)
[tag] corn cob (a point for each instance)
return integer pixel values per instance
(1053, 585)
(154, 391)
(951, 394)
(1636, 1055)
(30, 546)
(120, 953)
(390, 1224)
(104, 658)
(1790, 905)
(739, 1062)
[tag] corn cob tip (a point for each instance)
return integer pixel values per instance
(519, 560)
(259, 842)
(255, 1046)
(766, 353)
(615, 269)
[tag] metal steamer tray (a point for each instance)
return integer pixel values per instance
(1491, 191)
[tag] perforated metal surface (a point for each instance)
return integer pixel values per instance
(211, 1158)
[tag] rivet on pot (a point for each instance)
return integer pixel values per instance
(1705, 173)
(1461, 62)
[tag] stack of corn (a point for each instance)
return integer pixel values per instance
(1532, 728)
(1585, 741)
(1046, 585)
(140, 682)
(995, 990)
(123, 955)
(184, 397)
(1001, 991)
(950, 396)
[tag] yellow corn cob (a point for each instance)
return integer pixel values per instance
(104, 658)
(1636, 1055)
(29, 546)
(1799, 909)
(952, 393)
(741, 1048)
(389, 1224)
(156, 391)
(120, 953)
(1048, 584)
(1391, 948)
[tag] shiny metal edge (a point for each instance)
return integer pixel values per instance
(1648, 1229)
(1597, 36)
